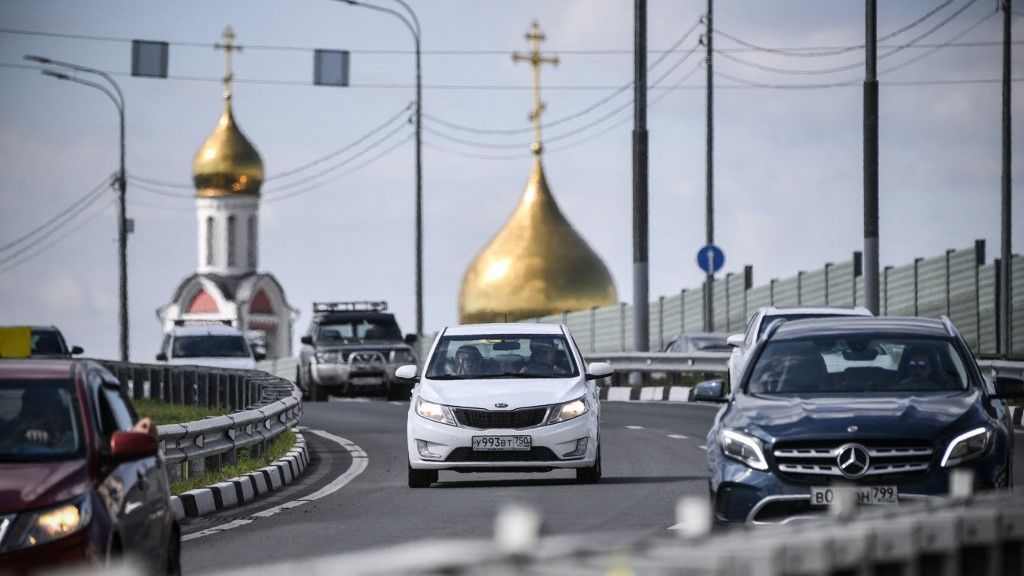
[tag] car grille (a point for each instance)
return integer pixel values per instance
(816, 462)
(487, 419)
(535, 454)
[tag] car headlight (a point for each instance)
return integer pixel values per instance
(328, 357)
(568, 411)
(42, 526)
(401, 357)
(967, 446)
(743, 448)
(435, 412)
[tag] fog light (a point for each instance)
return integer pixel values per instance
(423, 447)
(580, 451)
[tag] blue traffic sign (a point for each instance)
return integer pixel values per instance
(710, 258)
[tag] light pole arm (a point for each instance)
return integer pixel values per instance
(78, 68)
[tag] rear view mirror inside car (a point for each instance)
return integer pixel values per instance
(506, 345)
(863, 355)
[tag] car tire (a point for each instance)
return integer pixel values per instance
(592, 474)
(421, 478)
(317, 392)
(302, 387)
(174, 553)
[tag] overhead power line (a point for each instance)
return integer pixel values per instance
(61, 218)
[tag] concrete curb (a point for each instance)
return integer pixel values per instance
(245, 488)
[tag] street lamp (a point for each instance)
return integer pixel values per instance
(414, 27)
(117, 97)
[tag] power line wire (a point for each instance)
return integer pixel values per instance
(41, 249)
(87, 199)
(579, 113)
(354, 169)
(931, 51)
(54, 227)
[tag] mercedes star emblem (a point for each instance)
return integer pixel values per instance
(853, 460)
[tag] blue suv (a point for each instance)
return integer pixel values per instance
(881, 407)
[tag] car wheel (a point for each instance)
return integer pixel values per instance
(174, 553)
(298, 382)
(592, 474)
(421, 478)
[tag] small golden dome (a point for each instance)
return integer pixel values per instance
(227, 163)
(536, 265)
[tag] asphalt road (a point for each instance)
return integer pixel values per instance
(653, 454)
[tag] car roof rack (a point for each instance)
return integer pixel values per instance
(354, 306)
(200, 322)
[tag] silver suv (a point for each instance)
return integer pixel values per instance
(353, 348)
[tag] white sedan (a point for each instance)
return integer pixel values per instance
(504, 398)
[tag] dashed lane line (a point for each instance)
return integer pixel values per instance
(359, 463)
(703, 447)
(678, 436)
(635, 427)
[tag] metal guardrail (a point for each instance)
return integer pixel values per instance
(1003, 367)
(666, 362)
(265, 406)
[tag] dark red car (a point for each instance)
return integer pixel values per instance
(77, 484)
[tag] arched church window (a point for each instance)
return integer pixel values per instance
(209, 240)
(252, 242)
(231, 241)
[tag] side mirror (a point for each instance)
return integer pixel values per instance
(597, 370)
(406, 373)
(132, 445)
(411, 339)
(76, 350)
(161, 357)
(307, 340)
(1008, 387)
(736, 340)
(259, 355)
(709, 391)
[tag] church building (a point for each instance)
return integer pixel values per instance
(227, 285)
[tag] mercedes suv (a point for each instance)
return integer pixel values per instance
(883, 408)
(353, 348)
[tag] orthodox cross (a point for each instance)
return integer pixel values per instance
(228, 47)
(535, 36)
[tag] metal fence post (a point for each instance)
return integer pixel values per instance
(828, 266)
(593, 329)
(622, 327)
(661, 322)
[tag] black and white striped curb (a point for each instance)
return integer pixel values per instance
(645, 393)
(245, 488)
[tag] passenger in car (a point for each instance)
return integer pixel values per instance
(542, 359)
(467, 361)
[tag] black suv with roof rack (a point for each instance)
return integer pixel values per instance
(353, 348)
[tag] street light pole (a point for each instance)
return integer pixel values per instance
(413, 24)
(117, 97)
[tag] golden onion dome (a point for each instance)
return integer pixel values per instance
(227, 163)
(536, 265)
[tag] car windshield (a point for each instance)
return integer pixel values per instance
(360, 329)
(210, 346)
(38, 420)
(853, 364)
(502, 356)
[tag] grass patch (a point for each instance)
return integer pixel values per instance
(164, 413)
(245, 464)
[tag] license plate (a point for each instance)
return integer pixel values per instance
(366, 381)
(502, 443)
(825, 495)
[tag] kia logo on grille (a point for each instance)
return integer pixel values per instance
(853, 460)
(501, 405)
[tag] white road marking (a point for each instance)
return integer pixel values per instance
(397, 403)
(635, 427)
(703, 447)
(676, 526)
(678, 436)
(359, 463)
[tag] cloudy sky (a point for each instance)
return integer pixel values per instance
(788, 173)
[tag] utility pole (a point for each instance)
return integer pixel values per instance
(641, 314)
(709, 197)
(871, 292)
(1006, 254)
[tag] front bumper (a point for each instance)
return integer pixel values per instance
(450, 447)
(741, 494)
(335, 375)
